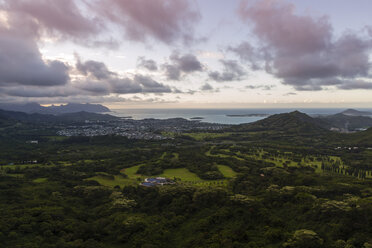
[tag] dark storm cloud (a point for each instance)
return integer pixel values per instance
(21, 62)
(150, 85)
(148, 64)
(181, 64)
(100, 80)
(232, 72)
(94, 68)
(302, 50)
(32, 91)
(355, 85)
(27, 23)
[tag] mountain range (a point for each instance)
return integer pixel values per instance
(294, 122)
(32, 108)
(297, 122)
(346, 123)
(7, 117)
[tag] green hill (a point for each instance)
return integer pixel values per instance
(361, 138)
(294, 122)
(346, 122)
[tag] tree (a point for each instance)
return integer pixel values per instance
(304, 239)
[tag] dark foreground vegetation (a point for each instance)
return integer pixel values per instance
(283, 182)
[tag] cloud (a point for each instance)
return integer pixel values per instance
(246, 52)
(164, 20)
(355, 85)
(181, 65)
(21, 62)
(232, 72)
(56, 17)
(172, 72)
(95, 69)
(186, 63)
(290, 94)
(100, 80)
(263, 87)
(150, 85)
(148, 64)
(206, 87)
(301, 50)
(90, 22)
(35, 91)
(89, 79)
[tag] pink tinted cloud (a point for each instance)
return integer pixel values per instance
(56, 17)
(276, 23)
(302, 50)
(164, 20)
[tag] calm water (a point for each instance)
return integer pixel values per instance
(216, 115)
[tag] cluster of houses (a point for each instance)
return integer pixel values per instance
(156, 181)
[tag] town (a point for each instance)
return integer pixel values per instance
(146, 129)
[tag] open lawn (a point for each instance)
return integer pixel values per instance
(227, 171)
(118, 180)
(57, 138)
(16, 175)
(204, 136)
(23, 166)
(40, 180)
(181, 173)
(131, 172)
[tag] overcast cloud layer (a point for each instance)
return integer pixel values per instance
(301, 51)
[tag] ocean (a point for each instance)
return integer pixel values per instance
(219, 115)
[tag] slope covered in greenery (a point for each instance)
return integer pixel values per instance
(289, 184)
(294, 122)
(347, 122)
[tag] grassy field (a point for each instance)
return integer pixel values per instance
(40, 180)
(226, 171)
(278, 160)
(204, 136)
(176, 156)
(181, 173)
(16, 175)
(118, 180)
(131, 172)
(22, 166)
(221, 155)
(57, 138)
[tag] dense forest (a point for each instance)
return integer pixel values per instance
(296, 185)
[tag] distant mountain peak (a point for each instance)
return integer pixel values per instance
(355, 112)
(33, 107)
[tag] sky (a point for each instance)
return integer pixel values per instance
(187, 53)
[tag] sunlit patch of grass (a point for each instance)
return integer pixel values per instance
(226, 171)
(40, 180)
